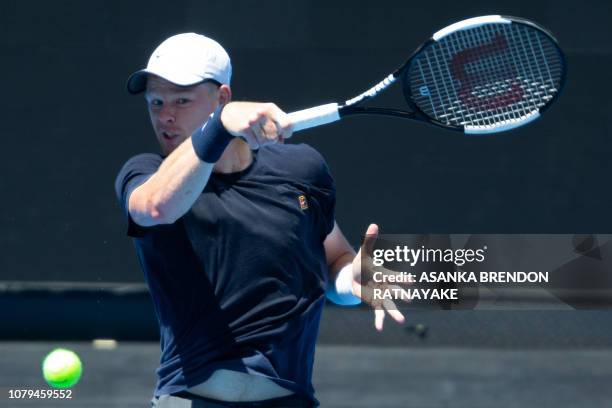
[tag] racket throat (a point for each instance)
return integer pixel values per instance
(375, 90)
(365, 110)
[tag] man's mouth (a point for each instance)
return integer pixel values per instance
(169, 135)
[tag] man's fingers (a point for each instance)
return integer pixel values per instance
(379, 318)
(264, 127)
(392, 310)
(358, 290)
(258, 123)
(398, 288)
(251, 138)
(278, 123)
(401, 278)
(366, 293)
(379, 315)
(372, 229)
(397, 316)
(283, 124)
(258, 130)
(271, 132)
(262, 136)
(370, 239)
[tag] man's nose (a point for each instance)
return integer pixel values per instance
(167, 114)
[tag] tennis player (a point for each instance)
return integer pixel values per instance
(236, 237)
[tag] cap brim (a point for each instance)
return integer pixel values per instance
(137, 82)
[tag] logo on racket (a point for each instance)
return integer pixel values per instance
(424, 91)
(303, 202)
(477, 90)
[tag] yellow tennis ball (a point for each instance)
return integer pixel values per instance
(62, 368)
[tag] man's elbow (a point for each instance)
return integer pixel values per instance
(150, 210)
(163, 212)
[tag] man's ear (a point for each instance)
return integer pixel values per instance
(225, 94)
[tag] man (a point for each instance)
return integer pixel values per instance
(236, 236)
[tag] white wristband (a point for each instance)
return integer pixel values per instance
(340, 291)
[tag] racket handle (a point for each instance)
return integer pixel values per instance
(317, 116)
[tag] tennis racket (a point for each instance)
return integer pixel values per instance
(482, 75)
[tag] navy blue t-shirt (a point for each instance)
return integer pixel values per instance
(239, 281)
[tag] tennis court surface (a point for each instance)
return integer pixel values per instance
(466, 359)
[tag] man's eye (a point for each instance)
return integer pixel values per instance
(182, 101)
(156, 102)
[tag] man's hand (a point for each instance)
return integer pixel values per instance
(258, 124)
(364, 285)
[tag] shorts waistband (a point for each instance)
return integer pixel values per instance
(185, 399)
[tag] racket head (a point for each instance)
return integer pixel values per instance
(485, 75)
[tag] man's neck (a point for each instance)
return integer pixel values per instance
(236, 157)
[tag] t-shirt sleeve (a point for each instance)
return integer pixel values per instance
(134, 172)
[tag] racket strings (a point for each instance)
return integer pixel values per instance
(500, 88)
(486, 76)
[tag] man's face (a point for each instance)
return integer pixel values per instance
(176, 112)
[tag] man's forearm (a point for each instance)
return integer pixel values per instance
(171, 191)
(178, 182)
(340, 256)
(342, 260)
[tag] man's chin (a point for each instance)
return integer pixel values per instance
(169, 145)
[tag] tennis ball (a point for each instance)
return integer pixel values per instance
(62, 368)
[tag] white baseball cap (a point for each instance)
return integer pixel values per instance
(185, 59)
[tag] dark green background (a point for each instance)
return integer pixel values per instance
(68, 124)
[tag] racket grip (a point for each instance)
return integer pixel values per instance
(317, 116)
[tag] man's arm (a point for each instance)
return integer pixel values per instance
(340, 256)
(345, 266)
(171, 191)
(338, 251)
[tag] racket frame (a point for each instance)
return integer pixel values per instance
(466, 24)
(332, 112)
